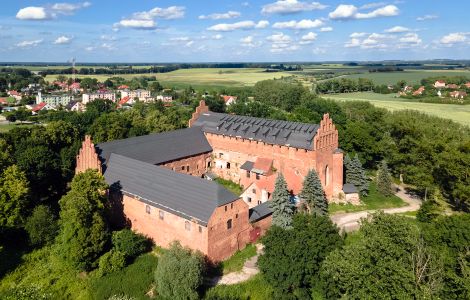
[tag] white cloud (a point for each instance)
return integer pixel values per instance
(137, 24)
(308, 38)
(108, 46)
(107, 38)
(238, 25)
(33, 13)
(343, 11)
(326, 29)
(319, 50)
(348, 11)
(455, 38)
(89, 48)
(410, 38)
(397, 29)
(386, 11)
(69, 8)
(49, 12)
(217, 37)
(281, 42)
(358, 34)
(354, 42)
(302, 24)
(62, 40)
(250, 42)
(28, 44)
(285, 7)
(189, 44)
(146, 19)
(279, 38)
(427, 17)
(219, 16)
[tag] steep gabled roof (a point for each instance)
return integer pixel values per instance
(295, 134)
(187, 196)
(160, 147)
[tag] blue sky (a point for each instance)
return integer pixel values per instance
(220, 31)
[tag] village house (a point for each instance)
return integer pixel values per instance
(419, 91)
(467, 85)
(75, 106)
(439, 84)
(41, 106)
(452, 86)
(164, 99)
(140, 94)
(157, 181)
(229, 99)
(125, 101)
(99, 95)
(458, 94)
(54, 100)
(15, 95)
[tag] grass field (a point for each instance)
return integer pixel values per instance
(455, 112)
(211, 77)
(236, 261)
(374, 200)
(411, 76)
(7, 127)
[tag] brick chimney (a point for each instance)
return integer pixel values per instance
(202, 108)
(87, 157)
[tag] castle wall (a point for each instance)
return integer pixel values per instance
(194, 165)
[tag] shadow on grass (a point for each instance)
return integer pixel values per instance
(13, 245)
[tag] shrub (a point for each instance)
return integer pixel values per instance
(129, 243)
(111, 261)
(41, 226)
(179, 273)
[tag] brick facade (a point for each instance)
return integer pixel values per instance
(194, 165)
(87, 157)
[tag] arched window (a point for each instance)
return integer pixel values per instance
(327, 175)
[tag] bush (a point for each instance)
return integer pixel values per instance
(41, 226)
(179, 273)
(111, 261)
(129, 243)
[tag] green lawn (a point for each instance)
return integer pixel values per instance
(410, 76)
(374, 200)
(236, 261)
(455, 112)
(7, 127)
(205, 77)
(230, 185)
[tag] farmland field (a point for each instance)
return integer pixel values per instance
(411, 76)
(455, 112)
(210, 77)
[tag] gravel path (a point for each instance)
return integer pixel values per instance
(350, 221)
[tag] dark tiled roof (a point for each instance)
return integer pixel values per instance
(247, 165)
(349, 188)
(299, 135)
(184, 195)
(158, 148)
(260, 211)
(70, 104)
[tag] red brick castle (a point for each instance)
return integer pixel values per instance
(162, 183)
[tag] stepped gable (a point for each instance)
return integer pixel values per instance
(293, 134)
(184, 195)
(87, 157)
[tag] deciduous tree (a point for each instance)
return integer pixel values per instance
(13, 197)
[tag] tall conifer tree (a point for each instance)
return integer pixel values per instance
(384, 179)
(314, 195)
(361, 180)
(283, 210)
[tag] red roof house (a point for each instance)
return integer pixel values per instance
(229, 99)
(123, 87)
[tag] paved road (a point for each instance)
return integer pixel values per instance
(350, 221)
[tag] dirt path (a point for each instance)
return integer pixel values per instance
(350, 221)
(250, 268)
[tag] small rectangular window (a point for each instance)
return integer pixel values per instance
(231, 205)
(187, 225)
(220, 155)
(249, 199)
(228, 165)
(225, 207)
(259, 202)
(200, 229)
(182, 168)
(247, 174)
(161, 215)
(253, 191)
(147, 209)
(236, 216)
(187, 168)
(257, 176)
(229, 224)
